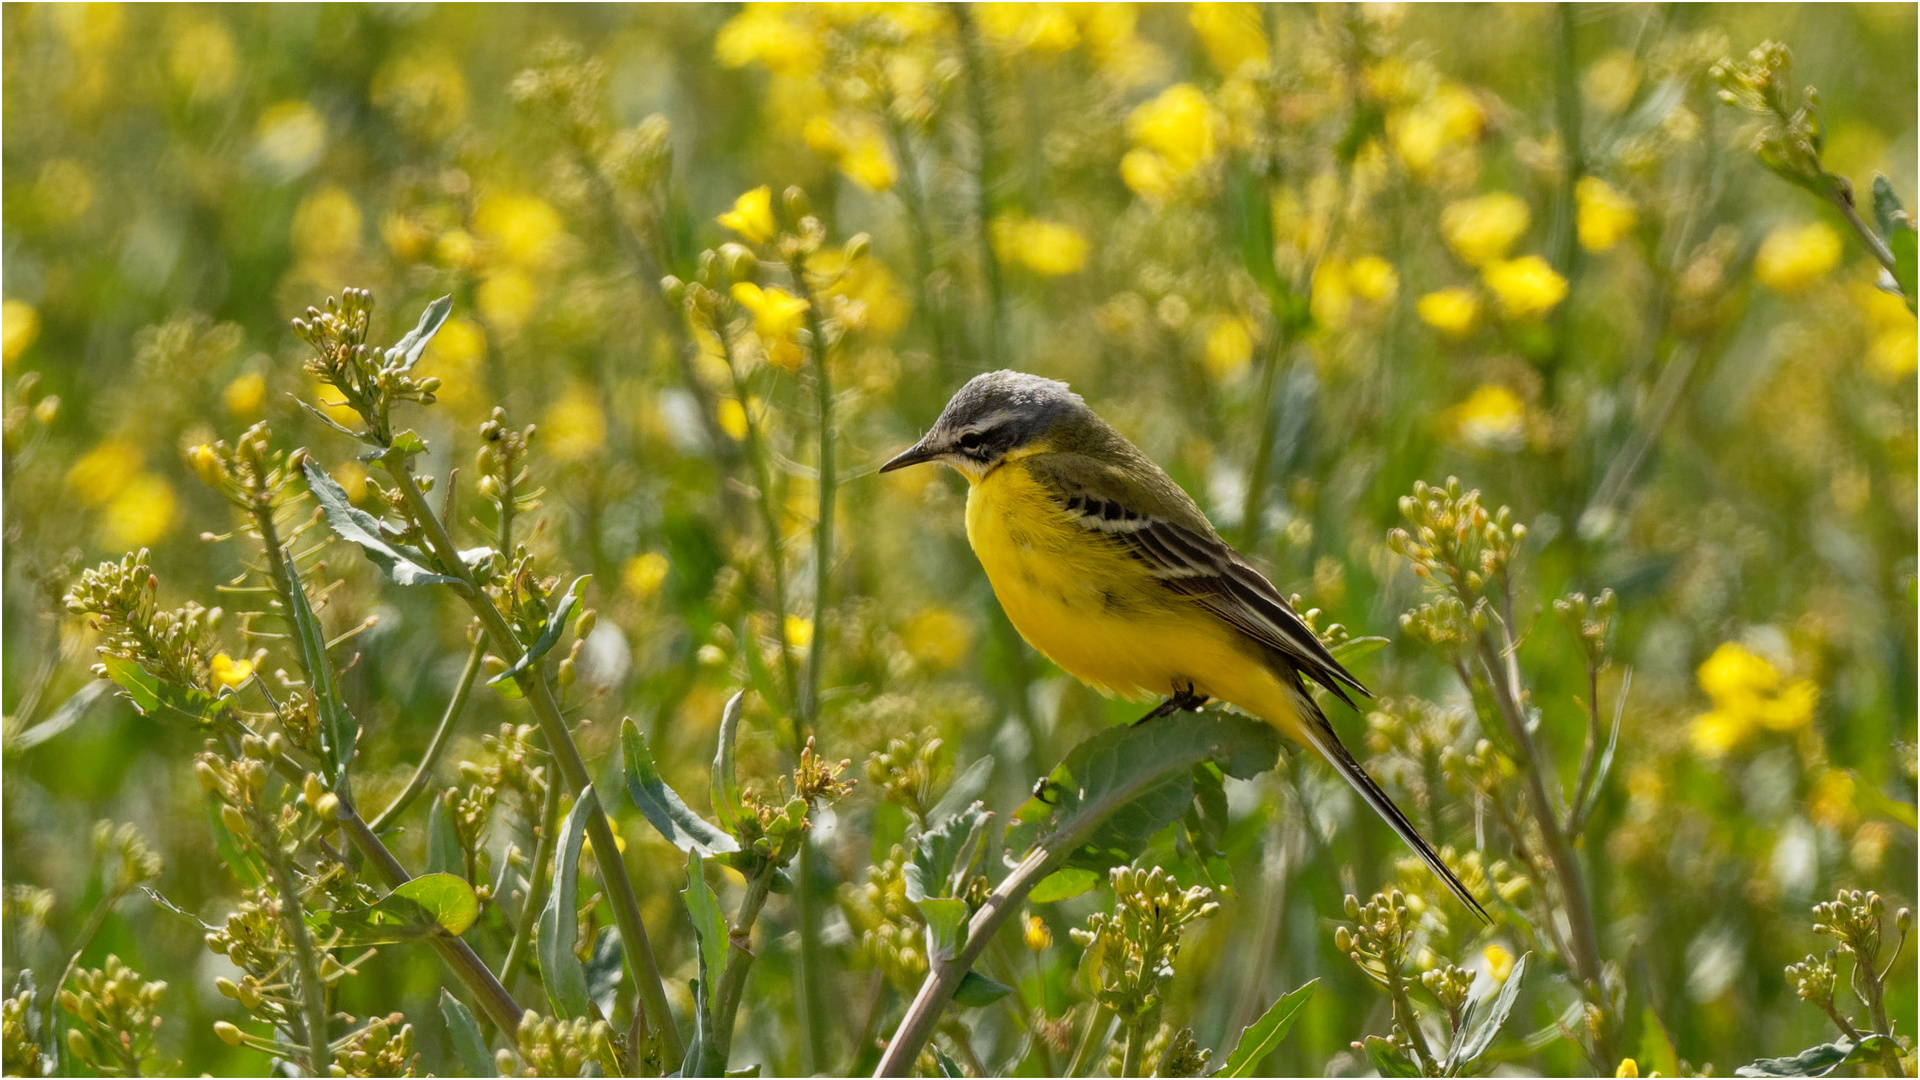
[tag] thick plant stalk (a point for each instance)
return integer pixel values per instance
(733, 981)
(533, 685)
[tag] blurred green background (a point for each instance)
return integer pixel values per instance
(1681, 377)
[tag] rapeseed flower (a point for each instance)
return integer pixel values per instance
(752, 215)
(761, 34)
(1748, 694)
(1481, 229)
(19, 329)
(1611, 81)
(141, 512)
(229, 672)
(1173, 135)
(507, 298)
(1047, 248)
(643, 574)
(1793, 257)
(938, 637)
(326, 225)
(1232, 34)
(458, 356)
(798, 631)
(1499, 963)
(1433, 132)
(777, 313)
(574, 427)
(1603, 214)
(1042, 28)
(523, 230)
(1451, 311)
(1373, 278)
(1830, 803)
(104, 471)
(202, 60)
(862, 155)
(244, 395)
(1491, 418)
(1229, 346)
(1527, 287)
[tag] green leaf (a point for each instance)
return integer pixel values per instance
(338, 731)
(468, 1044)
(1483, 1035)
(1063, 885)
(1136, 780)
(163, 700)
(1261, 1036)
(428, 904)
(443, 844)
(1821, 1060)
(560, 972)
(406, 352)
(709, 925)
(1354, 649)
(726, 785)
(1886, 204)
(1387, 1060)
(401, 564)
(946, 926)
(661, 805)
(604, 967)
(964, 789)
(948, 1066)
(1657, 1053)
(549, 634)
(976, 990)
(1902, 244)
(945, 855)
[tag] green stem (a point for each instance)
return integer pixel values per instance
(1843, 199)
(1091, 1042)
(537, 882)
(1255, 497)
(573, 769)
(914, 199)
(313, 992)
(1136, 1047)
(769, 517)
(733, 980)
(423, 774)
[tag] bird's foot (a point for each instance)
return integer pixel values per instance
(1183, 699)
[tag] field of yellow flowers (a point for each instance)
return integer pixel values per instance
(454, 623)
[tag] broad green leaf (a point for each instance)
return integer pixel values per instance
(560, 971)
(1387, 1060)
(163, 700)
(1657, 1053)
(709, 925)
(338, 731)
(725, 784)
(406, 352)
(1261, 1036)
(1820, 1060)
(1885, 205)
(946, 926)
(399, 562)
(549, 634)
(604, 968)
(1063, 885)
(468, 1044)
(1482, 1036)
(443, 844)
(964, 789)
(428, 904)
(661, 805)
(947, 853)
(1354, 649)
(976, 990)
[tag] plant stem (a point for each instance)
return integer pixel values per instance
(313, 992)
(733, 980)
(1090, 1044)
(915, 201)
(1136, 1047)
(1251, 502)
(1843, 199)
(975, 66)
(769, 517)
(573, 769)
(424, 773)
(537, 882)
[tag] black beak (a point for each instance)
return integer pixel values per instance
(913, 455)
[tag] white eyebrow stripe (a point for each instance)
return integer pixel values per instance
(990, 421)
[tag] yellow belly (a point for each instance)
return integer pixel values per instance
(1095, 610)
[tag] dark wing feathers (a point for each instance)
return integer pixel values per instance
(1203, 567)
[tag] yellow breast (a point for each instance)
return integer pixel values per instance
(1093, 609)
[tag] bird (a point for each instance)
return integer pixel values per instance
(1108, 568)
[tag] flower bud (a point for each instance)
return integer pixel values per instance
(327, 808)
(566, 674)
(76, 1043)
(207, 465)
(235, 821)
(227, 987)
(858, 246)
(585, 624)
(797, 205)
(227, 1032)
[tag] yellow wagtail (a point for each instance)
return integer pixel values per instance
(1106, 566)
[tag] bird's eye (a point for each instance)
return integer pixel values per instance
(970, 441)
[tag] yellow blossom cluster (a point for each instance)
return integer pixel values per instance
(137, 507)
(1173, 134)
(1602, 214)
(1793, 257)
(1480, 230)
(1749, 695)
(1048, 248)
(1491, 418)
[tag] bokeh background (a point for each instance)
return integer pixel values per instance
(1303, 255)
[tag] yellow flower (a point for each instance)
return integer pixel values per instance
(1423, 135)
(229, 672)
(1892, 354)
(1527, 287)
(207, 465)
(244, 395)
(1481, 229)
(1232, 34)
(1628, 1068)
(142, 512)
(1329, 298)
(457, 247)
(574, 427)
(1831, 801)
(524, 230)
(1047, 248)
(1603, 216)
(1499, 963)
(1036, 935)
(458, 356)
(732, 417)
(1148, 175)
(291, 136)
(752, 215)
(19, 329)
(760, 35)
(352, 478)
(1229, 346)
(507, 299)
(862, 154)
(326, 225)
(1178, 125)
(1373, 278)
(777, 313)
(799, 632)
(644, 574)
(1492, 418)
(1716, 732)
(101, 473)
(1793, 257)
(1747, 694)
(1045, 28)
(1450, 311)
(202, 60)
(1609, 84)
(938, 637)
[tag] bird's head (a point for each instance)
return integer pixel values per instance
(992, 416)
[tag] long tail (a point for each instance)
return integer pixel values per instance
(1320, 735)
